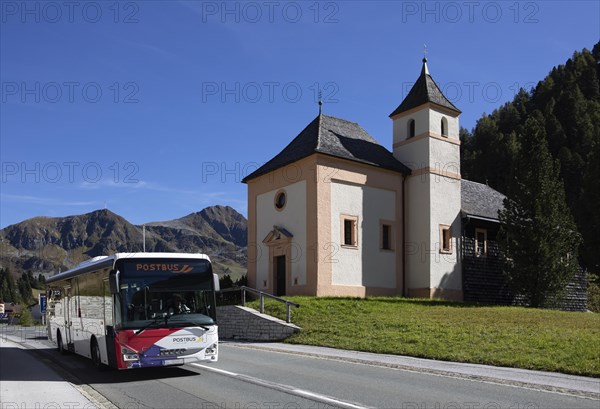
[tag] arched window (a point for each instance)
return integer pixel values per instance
(411, 128)
(444, 126)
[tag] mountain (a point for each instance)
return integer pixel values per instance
(50, 244)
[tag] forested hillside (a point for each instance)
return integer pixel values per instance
(569, 102)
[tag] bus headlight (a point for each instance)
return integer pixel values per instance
(211, 350)
(129, 355)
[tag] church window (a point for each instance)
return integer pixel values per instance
(445, 239)
(386, 236)
(280, 200)
(444, 126)
(349, 231)
(411, 128)
(480, 242)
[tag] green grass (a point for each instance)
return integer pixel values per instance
(558, 341)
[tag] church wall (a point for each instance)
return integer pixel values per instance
(367, 264)
(293, 218)
(400, 124)
(414, 154)
(445, 210)
(377, 187)
(417, 231)
(346, 262)
(444, 157)
(435, 123)
(302, 171)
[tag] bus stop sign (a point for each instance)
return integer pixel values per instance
(43, 304)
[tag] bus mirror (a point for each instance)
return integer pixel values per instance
(113, 281)
(216, 281)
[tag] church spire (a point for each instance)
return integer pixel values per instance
(425, 70)
(425, 90)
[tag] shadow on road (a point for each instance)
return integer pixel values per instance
(31, 365)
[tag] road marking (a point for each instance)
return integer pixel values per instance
(285, 388)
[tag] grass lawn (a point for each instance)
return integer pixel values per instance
(567, 342)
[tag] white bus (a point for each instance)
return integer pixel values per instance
(136, 310)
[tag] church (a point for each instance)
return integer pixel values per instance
(335, 213)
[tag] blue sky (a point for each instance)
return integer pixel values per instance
(156, 109)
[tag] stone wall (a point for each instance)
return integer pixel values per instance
(243, 323)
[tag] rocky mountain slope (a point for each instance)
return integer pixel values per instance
(50, 244)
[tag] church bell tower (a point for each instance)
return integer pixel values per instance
(426, 139)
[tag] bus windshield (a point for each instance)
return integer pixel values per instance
(168, 293)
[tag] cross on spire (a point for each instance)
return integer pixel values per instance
(425, 68)
(320, 101)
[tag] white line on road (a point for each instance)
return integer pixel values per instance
(285, 388)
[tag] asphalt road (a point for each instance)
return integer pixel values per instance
(246, 378)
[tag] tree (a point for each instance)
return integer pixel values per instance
(8, 289)
(24, 288)
(26, 319)
(569, 98)
(538, 236)
(225, 282)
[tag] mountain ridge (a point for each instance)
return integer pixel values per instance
(46, 245)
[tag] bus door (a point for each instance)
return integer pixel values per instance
(68, 317)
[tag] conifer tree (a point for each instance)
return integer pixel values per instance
(538, 236)
(8, 289)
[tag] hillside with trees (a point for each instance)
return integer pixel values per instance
(566, 107)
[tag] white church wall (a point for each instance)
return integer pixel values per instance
(417, 231)
(400, 125)
(445, 210)
(415, 154)
(444, 157)
(366, 265)
(379, 266)
(347, 261)
(293, 218)
(435, 123)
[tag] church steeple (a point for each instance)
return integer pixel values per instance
(426, 139)
(425, 90)
(425, 69)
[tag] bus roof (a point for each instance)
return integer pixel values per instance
(101, 262)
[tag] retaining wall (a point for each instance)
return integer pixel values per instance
(243, 323)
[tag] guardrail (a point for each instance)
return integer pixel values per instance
(262, 295)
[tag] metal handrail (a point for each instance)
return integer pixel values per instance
(262, 295)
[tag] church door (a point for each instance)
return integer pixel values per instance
(280, 275)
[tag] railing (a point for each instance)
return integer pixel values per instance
(262, 295)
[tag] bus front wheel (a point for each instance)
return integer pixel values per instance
(95, 352)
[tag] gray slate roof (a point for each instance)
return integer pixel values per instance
(335, 137)
(480, 200)
(425, 90)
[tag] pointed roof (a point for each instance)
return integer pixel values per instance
(336, 137)
(425, 90)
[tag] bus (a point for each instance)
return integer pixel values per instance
(136, 310)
